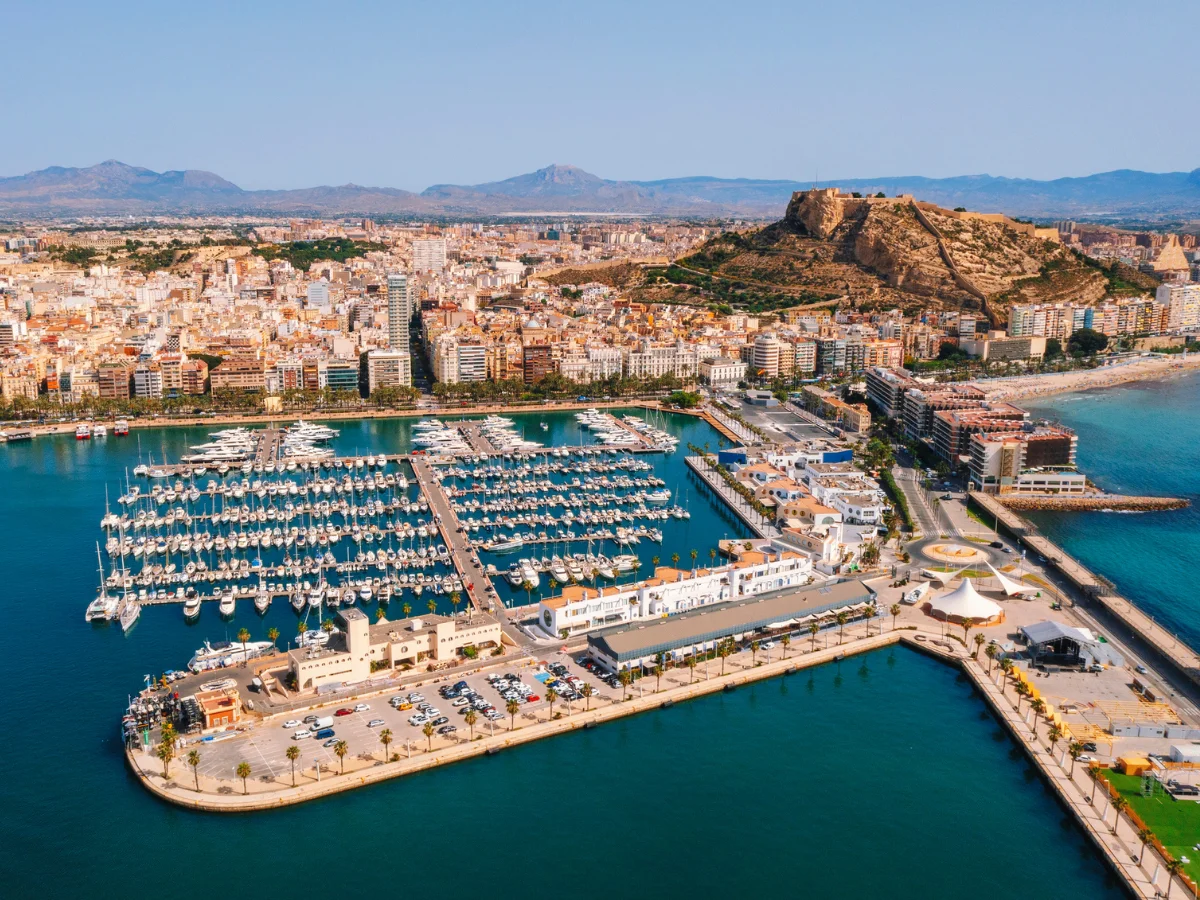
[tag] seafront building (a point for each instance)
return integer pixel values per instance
(359, 648)
(631, 646)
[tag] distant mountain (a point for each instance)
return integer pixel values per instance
(114, 188)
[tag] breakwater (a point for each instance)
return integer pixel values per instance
(1101, 503)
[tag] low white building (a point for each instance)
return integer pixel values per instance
(670, 591)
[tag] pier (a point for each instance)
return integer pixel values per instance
(1099, 503)
(1166, 645)
(756, 522)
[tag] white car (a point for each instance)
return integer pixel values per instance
(433, 712)
(301, 735)
(292, 723)
(461, 701)
(415, 697)
(417, 720)
(767, 645)
(362, 707)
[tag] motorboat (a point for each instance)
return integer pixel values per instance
(227, 606)
(191, 607)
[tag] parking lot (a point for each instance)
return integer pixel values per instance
(264, 746)
(780, 423)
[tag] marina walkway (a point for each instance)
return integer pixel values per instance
(757, 523)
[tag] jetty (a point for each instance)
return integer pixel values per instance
(1091, 503)
(757, 523)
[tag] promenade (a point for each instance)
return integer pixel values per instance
(1139, 624)
(757, 523)
(1144, 874)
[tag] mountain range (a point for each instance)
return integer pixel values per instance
(114, 188)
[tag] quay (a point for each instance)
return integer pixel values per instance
(1165, 645)
(1140, 870)
(757, 523)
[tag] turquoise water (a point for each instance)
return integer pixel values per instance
(884, 777)
(1139, 439)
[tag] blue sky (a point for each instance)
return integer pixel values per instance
(279, 95)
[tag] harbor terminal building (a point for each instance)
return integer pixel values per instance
(360, 648)
(636, 644)
(670, 591)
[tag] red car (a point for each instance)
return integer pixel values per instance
(532, 698)
(344, 712)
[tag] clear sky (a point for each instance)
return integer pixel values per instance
(399, 94)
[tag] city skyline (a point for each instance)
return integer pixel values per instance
(484, 94)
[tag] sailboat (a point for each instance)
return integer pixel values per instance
(104, 606)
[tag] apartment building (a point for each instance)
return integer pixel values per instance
(116, 381)
(1183, 305)
(1032, 460)
(722, 372)
(388, 368)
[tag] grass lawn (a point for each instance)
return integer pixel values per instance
(1176, 823)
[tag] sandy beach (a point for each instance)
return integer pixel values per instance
(1142, 369)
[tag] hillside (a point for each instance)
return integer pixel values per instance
(876, 253)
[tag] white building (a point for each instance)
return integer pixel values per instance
(472, 362)
(429, 255)
(318, 294)
(720, 371)
(670, 591)
(677, 359)
(1183, 304)
(388, 368)
(399, 311)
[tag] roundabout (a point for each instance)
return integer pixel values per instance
(955, 554)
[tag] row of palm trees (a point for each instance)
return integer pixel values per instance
(1074, 749)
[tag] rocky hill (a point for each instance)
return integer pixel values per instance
(876, 252)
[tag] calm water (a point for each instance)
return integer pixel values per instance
(848, 781)
(1140, 439)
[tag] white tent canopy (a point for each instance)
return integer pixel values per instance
(942, 578)
(1011, 588)
(964, 602)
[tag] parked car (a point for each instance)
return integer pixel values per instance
(292, 723)
(447, 729)
(324, 734)
(440, 720)
(344, 711)
(362, 707)
(301, 735)
(375, 723)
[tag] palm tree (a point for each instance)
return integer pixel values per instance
(712, 556)
(551, 696)
(293, 754)
(1093, 772)
(871, 611)
(1173, 867)
(1038, 706)
(243, 772)
(586, 690)
(327, 626)
(624, 677)
(340, 749)
(694, 555)
(455, 599)
(471, 717)
(379, 614)
(990, 652)
(385, 738)
(813, 629)
(754, 653)
(1022, 692)
(660, 663)
(675, 560)
(894, 609)
(1054, 735)
(1119, 803)
(842, 619)
(406, 608)
(1006, 666)
(512, 708)
(427, 730)
(654, 561)
(967, 624)
(273, 636)
(193, 760)
(432, 604)
(980, 640)
(786, 640)
(301, 627)
(1074, 750)
(243, 637)
(166, 753)
(1144, 835)
(723, 650)
(527, 586)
